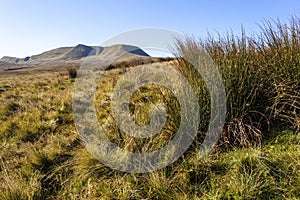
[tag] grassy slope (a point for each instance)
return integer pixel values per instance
(41, 156)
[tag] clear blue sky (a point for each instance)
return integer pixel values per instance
(31, 27)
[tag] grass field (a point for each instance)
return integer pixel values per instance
(258, 156)
(42, 157)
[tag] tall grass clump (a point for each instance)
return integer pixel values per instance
(261, 75)
(72, 71)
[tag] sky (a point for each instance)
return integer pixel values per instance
(33, 26)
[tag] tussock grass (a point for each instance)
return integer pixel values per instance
(72, 72)
(261, 75)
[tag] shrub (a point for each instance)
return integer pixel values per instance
(72, 72)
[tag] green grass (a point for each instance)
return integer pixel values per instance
(55, 165)
(258, 157)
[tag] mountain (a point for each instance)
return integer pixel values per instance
(60, 59)
(77, 53)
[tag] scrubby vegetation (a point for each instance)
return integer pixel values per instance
(258, 157)
(72, 72)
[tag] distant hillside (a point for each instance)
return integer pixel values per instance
(76, 53)
(8, 59)
(59, 59)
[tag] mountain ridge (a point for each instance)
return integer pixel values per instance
(76, 53)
